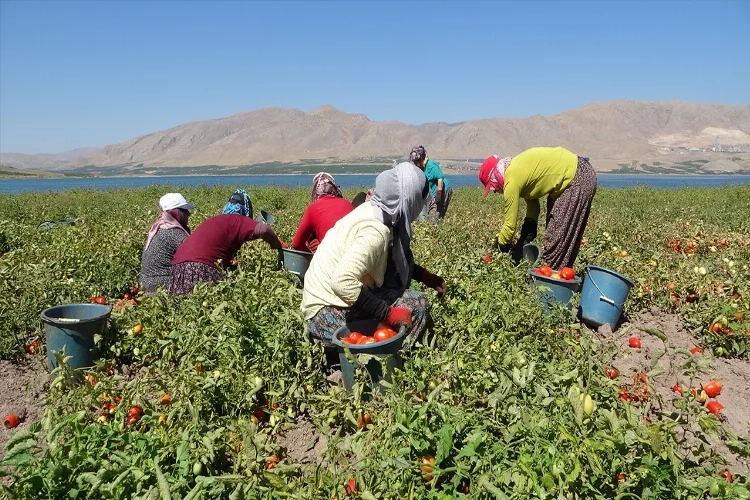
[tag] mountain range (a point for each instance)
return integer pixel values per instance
(612, 134)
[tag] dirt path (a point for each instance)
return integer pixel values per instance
(23, 385)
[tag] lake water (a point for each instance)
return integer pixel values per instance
(346, 181)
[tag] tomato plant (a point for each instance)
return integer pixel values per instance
(500, 394)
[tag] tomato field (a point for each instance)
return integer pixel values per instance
(219, 395)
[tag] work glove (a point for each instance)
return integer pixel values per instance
(431, 280)
(399, 316)
(528, 231)
(313, 245)
(497, 247)
(371, 306)
(516, 252)
(440, 196)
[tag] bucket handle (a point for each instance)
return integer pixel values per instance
(66, 320)
(602, 296)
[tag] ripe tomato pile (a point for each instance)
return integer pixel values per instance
(565, 273)
(382, 333)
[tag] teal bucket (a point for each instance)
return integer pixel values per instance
(554, 291)
(73, 327)
(603, 296)
(378, 368)
(295, 262)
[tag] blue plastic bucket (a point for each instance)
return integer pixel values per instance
(73, 327)
(554, 291)
(603, 296)
(295, 262)
(386, 353)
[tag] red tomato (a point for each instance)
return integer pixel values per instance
(101, 300)
(634, 342)
(33, 347)
(545, 271)
(11, 421)
(351, 487)
(567, 273)
(355, 336)
(726, 475)
(131, 420)
(349, 340)
(696, 350)
(135, 411)
(487, 259)
(676, 388)
(369, 340)
(165, 399)
(715, 407)
(611, 373)
(712, 388)
(384, 333)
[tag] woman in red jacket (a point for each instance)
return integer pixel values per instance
(327, 207)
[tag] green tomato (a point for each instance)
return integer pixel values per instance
(714, 489)
(197, 468)
(588, 405)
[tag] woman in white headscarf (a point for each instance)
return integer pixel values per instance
(164, 238)
(363, 268)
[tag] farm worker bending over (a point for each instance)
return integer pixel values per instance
(164, 238)
(217, 240)
(362, 270)
(568, 181)
(439, 186)
(327, 207)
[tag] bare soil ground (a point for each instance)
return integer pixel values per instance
(23, 385)
(734, 374)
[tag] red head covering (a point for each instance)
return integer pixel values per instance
(492, 173)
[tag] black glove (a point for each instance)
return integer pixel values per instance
(528, 231)
(497, 247)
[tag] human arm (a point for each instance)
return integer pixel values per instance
(511, 195)
(431, 280)
(264, 232)
(304, 231)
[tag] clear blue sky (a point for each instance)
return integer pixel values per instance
(77, 74)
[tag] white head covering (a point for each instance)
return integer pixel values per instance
(397, 200)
